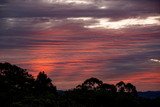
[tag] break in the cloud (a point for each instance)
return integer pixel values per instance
(108, 24)
(155, 60)
(76, 39)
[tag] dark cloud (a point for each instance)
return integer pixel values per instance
(3, 1)
(137, 62)
(116, 10)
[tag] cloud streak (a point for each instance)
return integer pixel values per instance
(114, 10)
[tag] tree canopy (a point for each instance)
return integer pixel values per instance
(18, 88)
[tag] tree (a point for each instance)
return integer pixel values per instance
(15, 77)
(90, 84)
(128, 87)
(15, 83)
(120, 86)
(131, 89)
(43, 83)
(108, 87)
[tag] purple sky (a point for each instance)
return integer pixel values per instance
(72, 40)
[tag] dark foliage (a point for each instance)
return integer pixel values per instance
(19, 89)
(44, 84)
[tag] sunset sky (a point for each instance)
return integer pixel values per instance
(72, 40)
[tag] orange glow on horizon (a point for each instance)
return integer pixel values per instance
(41, 65)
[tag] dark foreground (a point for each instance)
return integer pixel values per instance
(19, 89)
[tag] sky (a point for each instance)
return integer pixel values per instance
(72, 40)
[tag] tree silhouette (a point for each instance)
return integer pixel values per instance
(91, 84)
(128, 87)
(108, 87)
(131, 89)
(19, 89)
(43, 83)
(120, 86)
(15, 83)
(15, 77)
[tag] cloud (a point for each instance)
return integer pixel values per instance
(125, 23)
(3, 2)
(115, 10)
(53, 36)
(155, 60)
(136, 62)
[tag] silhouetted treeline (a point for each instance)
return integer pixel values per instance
(18, 88)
